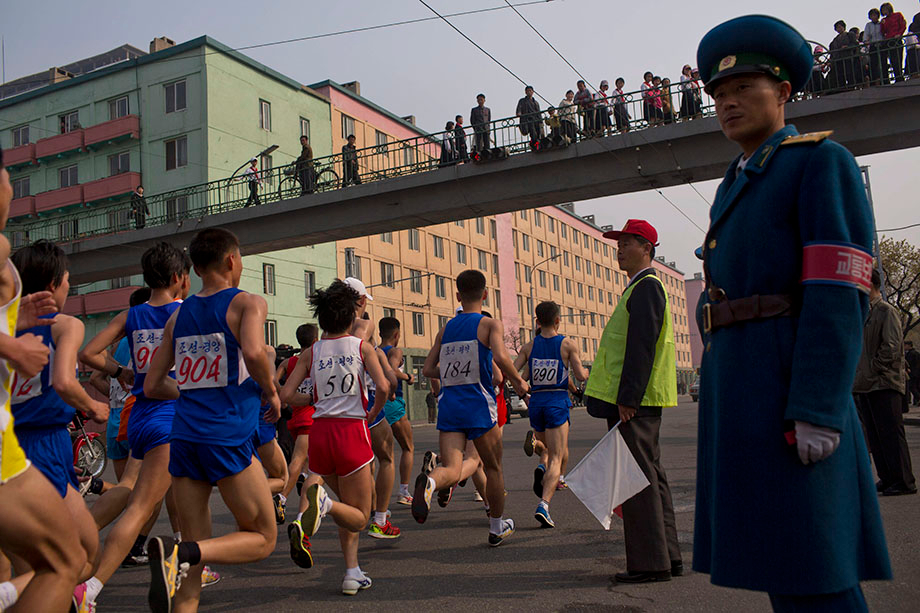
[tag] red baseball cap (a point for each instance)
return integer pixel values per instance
(639, 227)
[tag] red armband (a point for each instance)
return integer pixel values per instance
(837, 264)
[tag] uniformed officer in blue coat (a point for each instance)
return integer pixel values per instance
(785, 502)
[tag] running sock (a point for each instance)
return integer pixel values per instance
(283, 499)
(325, 504)
(496, 524)
(190, 552)
(380, 518)
(354, 573)
(544, 504)
(8, 595)
(403, 489)
(93, 587)
(299, 515)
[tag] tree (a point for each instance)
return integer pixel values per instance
(514, 341)
(901, 265)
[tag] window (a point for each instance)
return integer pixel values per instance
(355, 266)
(268, 279)
(438, 247)
(265, 163)
(553, 252)
(381, 140)
(520, 305)
(597, 269)
(480, 226)
(271, 332)
(594, 341)
(556, 282)
(483, 260)
(498, 300)
(593, 321)
(530, 306)
(387, 237)
(493, 230)
(22, 188)
(67, 230)
(540, 249)
(388, 312)
(550, 224)
(176, 208)
(528, 272)
(607, 273)
(485, 299)
(460, 223)
(68, 176)
(386, 275)
(524, 215)
(119, 163)
(542, 277)
(348, 125)
(305, 127)
(440, 286)
(177, 153)
(69, 121)
(175, 97)
(517, 271)
(585, 239)
(590, 292)
(461, 254)
(568, 287)
(597, 246)
(265, 115)
(494, 264)
(408, 154)
(21, 136)
(587, 267)
(418, 324)
(414, 240)
(536, 218)
(565, 258)
(581, 290)
(574, 236)
(415, 281)
(563, 230)
(118, 107)
(577, 263)
(442, 321)
(525, 242)
(584, 344)
(309, 283)
(514, 238)
(119, 282)
(605, 249)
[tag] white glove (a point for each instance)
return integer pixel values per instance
(815, 442)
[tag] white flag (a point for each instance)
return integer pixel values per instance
(606, 477)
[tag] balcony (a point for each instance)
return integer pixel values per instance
(22, 207)
(59, 146)
(107, 301)
(111, 188)
(20, 157)
(112, 131)
(57, 198)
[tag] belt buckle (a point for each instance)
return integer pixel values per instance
(707, 318)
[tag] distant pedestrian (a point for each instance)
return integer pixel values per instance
(818, 83)
(568, 116)
(251, 174)
(645, 90)
(304, 166)
(655, 101)
(667, 104)
(585, 101)
(528, 110)
(842, 49)
(604, 108)
(686, 92)
(875, 45)
(448, 154)
(878, 387)
(139, 207)
(350, 162)
(460, 140)
(912, 357)
(893, 28)
(431, 402)
(481, 120)
(620, 111)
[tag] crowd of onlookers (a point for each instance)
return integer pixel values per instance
(885, 50)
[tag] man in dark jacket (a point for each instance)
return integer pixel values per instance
(480, 118)
(350, 163)
(528, 110)
(879, 387)
(139, 207)
(633, 377)
(912, 357)
(304, 166)
(460, 149)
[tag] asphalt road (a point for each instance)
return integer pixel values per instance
(446, 565)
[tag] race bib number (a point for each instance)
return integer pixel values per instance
(459, 363)
(201, 361)
(306, 387)
(337, 376)
(26, 389)
(544, 372)
(145, 343)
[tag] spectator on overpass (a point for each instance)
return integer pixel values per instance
(842, 49)
(667, 106)
(585, 102)
(893, 27)
(350, 163)
(528, 110)
(304, 166)
(603, 109)
(875, 41)
(139, 207)
(480, 119)
(251, 174)
(460, 140)
(448, 153)
(620, 112)
(568, 116)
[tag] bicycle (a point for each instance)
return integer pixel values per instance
(324, 178)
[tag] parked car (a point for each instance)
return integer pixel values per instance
(695, 390)
(515, 403)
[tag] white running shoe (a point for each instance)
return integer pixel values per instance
(351, 586)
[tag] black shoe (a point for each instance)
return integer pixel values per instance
(899, 490)
(644, 577)
(677, 568)
(880, 487)
(538, 473)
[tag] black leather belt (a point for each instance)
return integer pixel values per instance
(729, 312)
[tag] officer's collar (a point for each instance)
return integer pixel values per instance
(758, 161)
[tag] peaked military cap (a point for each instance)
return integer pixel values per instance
(755, 43)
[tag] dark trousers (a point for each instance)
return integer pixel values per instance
(878, 65)
(351, 173)
(847, 601)
(482, 140)
(649, 527)
(880, 412)
(532, 128)
(895, 56)
(140, 219)
(305, 176)
(253, 194)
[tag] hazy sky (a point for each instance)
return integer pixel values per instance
(430, 71)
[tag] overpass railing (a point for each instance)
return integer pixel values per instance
(604, 114)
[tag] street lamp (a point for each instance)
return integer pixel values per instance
(530, 278)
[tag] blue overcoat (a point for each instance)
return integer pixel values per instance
(765, 521)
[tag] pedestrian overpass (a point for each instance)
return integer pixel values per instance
(405, 186)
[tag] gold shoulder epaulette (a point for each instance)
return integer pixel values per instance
(811, 137)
